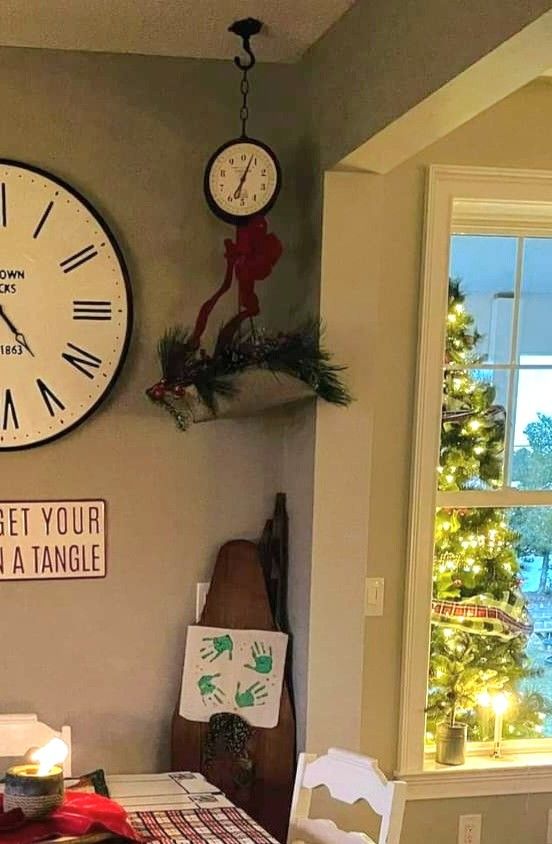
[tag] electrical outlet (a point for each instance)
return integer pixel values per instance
(469, 829)
(201, 597)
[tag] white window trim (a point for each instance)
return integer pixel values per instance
(522, 200)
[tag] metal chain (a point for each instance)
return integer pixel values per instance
(244, 110)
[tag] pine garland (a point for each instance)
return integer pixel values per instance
(299, 354)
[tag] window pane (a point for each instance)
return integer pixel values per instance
(491, 572)
(535, 317)
(485, 266)
(532, 458)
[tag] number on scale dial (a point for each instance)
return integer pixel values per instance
(242, 179)
(65, 307)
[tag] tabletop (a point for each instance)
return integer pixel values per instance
(183, 807)
(179, 808)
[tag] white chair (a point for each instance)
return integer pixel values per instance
(20, 732)
(349, 777)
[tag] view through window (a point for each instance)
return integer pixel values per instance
(491, 627)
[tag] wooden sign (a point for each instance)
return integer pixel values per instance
(52, 540)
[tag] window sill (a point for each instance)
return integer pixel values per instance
(520, 773)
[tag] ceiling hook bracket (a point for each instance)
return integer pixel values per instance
(246, 29)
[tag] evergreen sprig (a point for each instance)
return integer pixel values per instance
(299, 353)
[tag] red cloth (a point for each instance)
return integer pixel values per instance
(80, 814)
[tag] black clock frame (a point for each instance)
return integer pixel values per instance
(126, 278)
(240, 219)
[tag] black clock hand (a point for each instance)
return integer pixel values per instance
(237, 192)
(7, 320)
(19, 337)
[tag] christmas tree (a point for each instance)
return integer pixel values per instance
(480, 623)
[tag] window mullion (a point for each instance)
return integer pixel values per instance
(503, 497)
(513, 380)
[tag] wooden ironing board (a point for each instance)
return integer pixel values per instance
(238, 599)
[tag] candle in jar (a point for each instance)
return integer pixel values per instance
(33, 770)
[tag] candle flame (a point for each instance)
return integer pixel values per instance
(53, 753)
(500, 703)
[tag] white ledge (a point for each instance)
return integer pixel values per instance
(529, 773)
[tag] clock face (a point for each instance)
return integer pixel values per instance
(242, 179)
(65, 307)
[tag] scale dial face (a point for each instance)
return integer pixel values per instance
(242, 180)
(65, 307)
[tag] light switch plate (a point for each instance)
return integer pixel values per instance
(373, 596)
(201, 597)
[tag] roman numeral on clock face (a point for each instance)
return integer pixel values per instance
(91, 309)
(9, 414)
(82, 360)
(78, 259)
(45, 215)
(4, 206)
(50, 399)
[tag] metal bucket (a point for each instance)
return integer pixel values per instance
(451, 744)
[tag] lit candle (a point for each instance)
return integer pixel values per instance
(37, 787)
(500, 705)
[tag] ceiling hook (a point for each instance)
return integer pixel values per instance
(245, 29)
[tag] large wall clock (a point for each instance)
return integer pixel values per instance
(65, 307)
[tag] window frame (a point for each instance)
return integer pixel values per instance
(478, 200)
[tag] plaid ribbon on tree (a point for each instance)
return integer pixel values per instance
(484, 616)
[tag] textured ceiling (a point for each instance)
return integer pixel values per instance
(194, 28)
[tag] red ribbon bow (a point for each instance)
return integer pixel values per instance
(251, 257)
(255, 252)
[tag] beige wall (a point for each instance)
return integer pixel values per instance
(515, 133)
(384, 57)
(133, 135)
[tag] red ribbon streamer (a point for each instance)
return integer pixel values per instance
(252, 258)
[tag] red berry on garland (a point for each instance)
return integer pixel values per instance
(157, 391)
(179, 390)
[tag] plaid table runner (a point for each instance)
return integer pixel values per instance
(224, 825)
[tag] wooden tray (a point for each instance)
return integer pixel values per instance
(238, 599)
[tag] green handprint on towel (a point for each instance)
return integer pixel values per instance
(208, 690)
(261, 658)
(219, 645)
(253, 696)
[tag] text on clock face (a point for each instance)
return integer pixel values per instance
(64, 307)
(10, 287)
